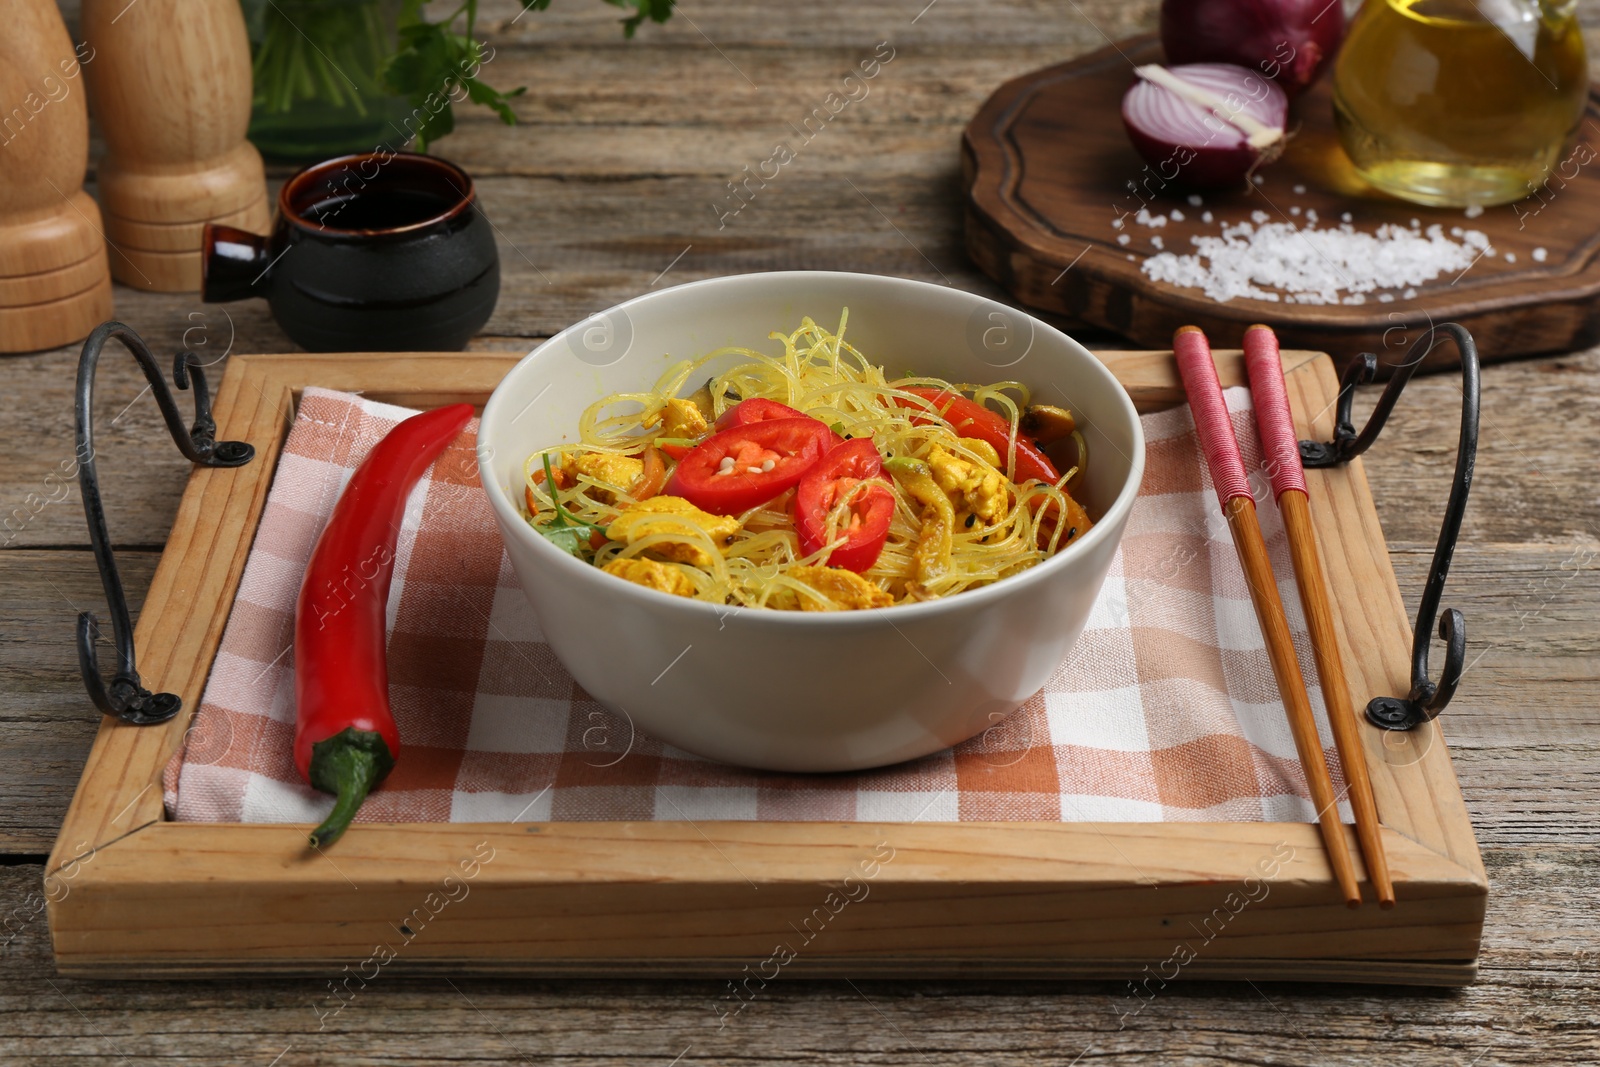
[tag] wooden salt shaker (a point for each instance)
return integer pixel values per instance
(170, 84)
(54, 283)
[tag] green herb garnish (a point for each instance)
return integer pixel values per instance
(567, 532)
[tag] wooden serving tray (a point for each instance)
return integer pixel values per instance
(1048, 167)
(133, 894)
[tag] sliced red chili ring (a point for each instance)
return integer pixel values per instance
(760, 409)
(971, 419)
(743, 467)
(866, 529)
(757, 409)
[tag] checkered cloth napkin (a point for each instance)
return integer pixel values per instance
(1166, 709)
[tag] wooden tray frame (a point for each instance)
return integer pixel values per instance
(135, 895)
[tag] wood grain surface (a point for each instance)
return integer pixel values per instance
(626, 148)
(54, 281)
(170, 88)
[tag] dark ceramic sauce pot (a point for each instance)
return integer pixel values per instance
(381, 252)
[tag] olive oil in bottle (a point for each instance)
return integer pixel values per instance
(1460, 102)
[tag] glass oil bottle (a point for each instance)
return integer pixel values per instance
(1460, 102)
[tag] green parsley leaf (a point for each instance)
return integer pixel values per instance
(654, 10)
(569, 539)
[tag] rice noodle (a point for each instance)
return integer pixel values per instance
(823, 375)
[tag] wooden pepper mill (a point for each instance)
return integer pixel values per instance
(170, 85)
(54, 283)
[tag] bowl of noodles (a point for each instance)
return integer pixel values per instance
(811, 521)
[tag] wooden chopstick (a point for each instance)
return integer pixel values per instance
(1278, 442)
(1226, 464)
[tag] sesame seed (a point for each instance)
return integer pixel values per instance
(1194, 200)
(1540, 255)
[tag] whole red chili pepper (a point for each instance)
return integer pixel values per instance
(345, 740)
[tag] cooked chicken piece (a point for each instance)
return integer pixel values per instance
(986, 450)
(681, 418)
(970, 485)
(685, 419)
(652, 575)
(674, 515)
(620, 472)
(846, 590)
(701, 399)
(931, 558)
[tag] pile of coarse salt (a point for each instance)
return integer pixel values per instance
(1306, 265)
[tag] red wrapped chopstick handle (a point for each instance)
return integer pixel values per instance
(1273, 419)
(1211, 421)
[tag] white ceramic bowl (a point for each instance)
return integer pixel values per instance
(810, 691)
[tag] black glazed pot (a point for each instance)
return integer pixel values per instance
(380, 252)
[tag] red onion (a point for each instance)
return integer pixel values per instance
(1290, 41)
(1205, 124)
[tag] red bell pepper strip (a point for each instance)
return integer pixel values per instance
(345, 739)
(971, 419)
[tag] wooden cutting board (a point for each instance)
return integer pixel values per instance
(1048, 167)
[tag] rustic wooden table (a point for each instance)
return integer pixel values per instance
(614, 184)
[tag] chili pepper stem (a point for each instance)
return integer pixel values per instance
(348, 764)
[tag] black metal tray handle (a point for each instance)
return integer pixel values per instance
(1426, 700)
(126, 697)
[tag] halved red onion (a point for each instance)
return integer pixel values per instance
(1205, 124)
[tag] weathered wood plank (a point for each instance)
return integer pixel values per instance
(1531, 1005)
(46, 720)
